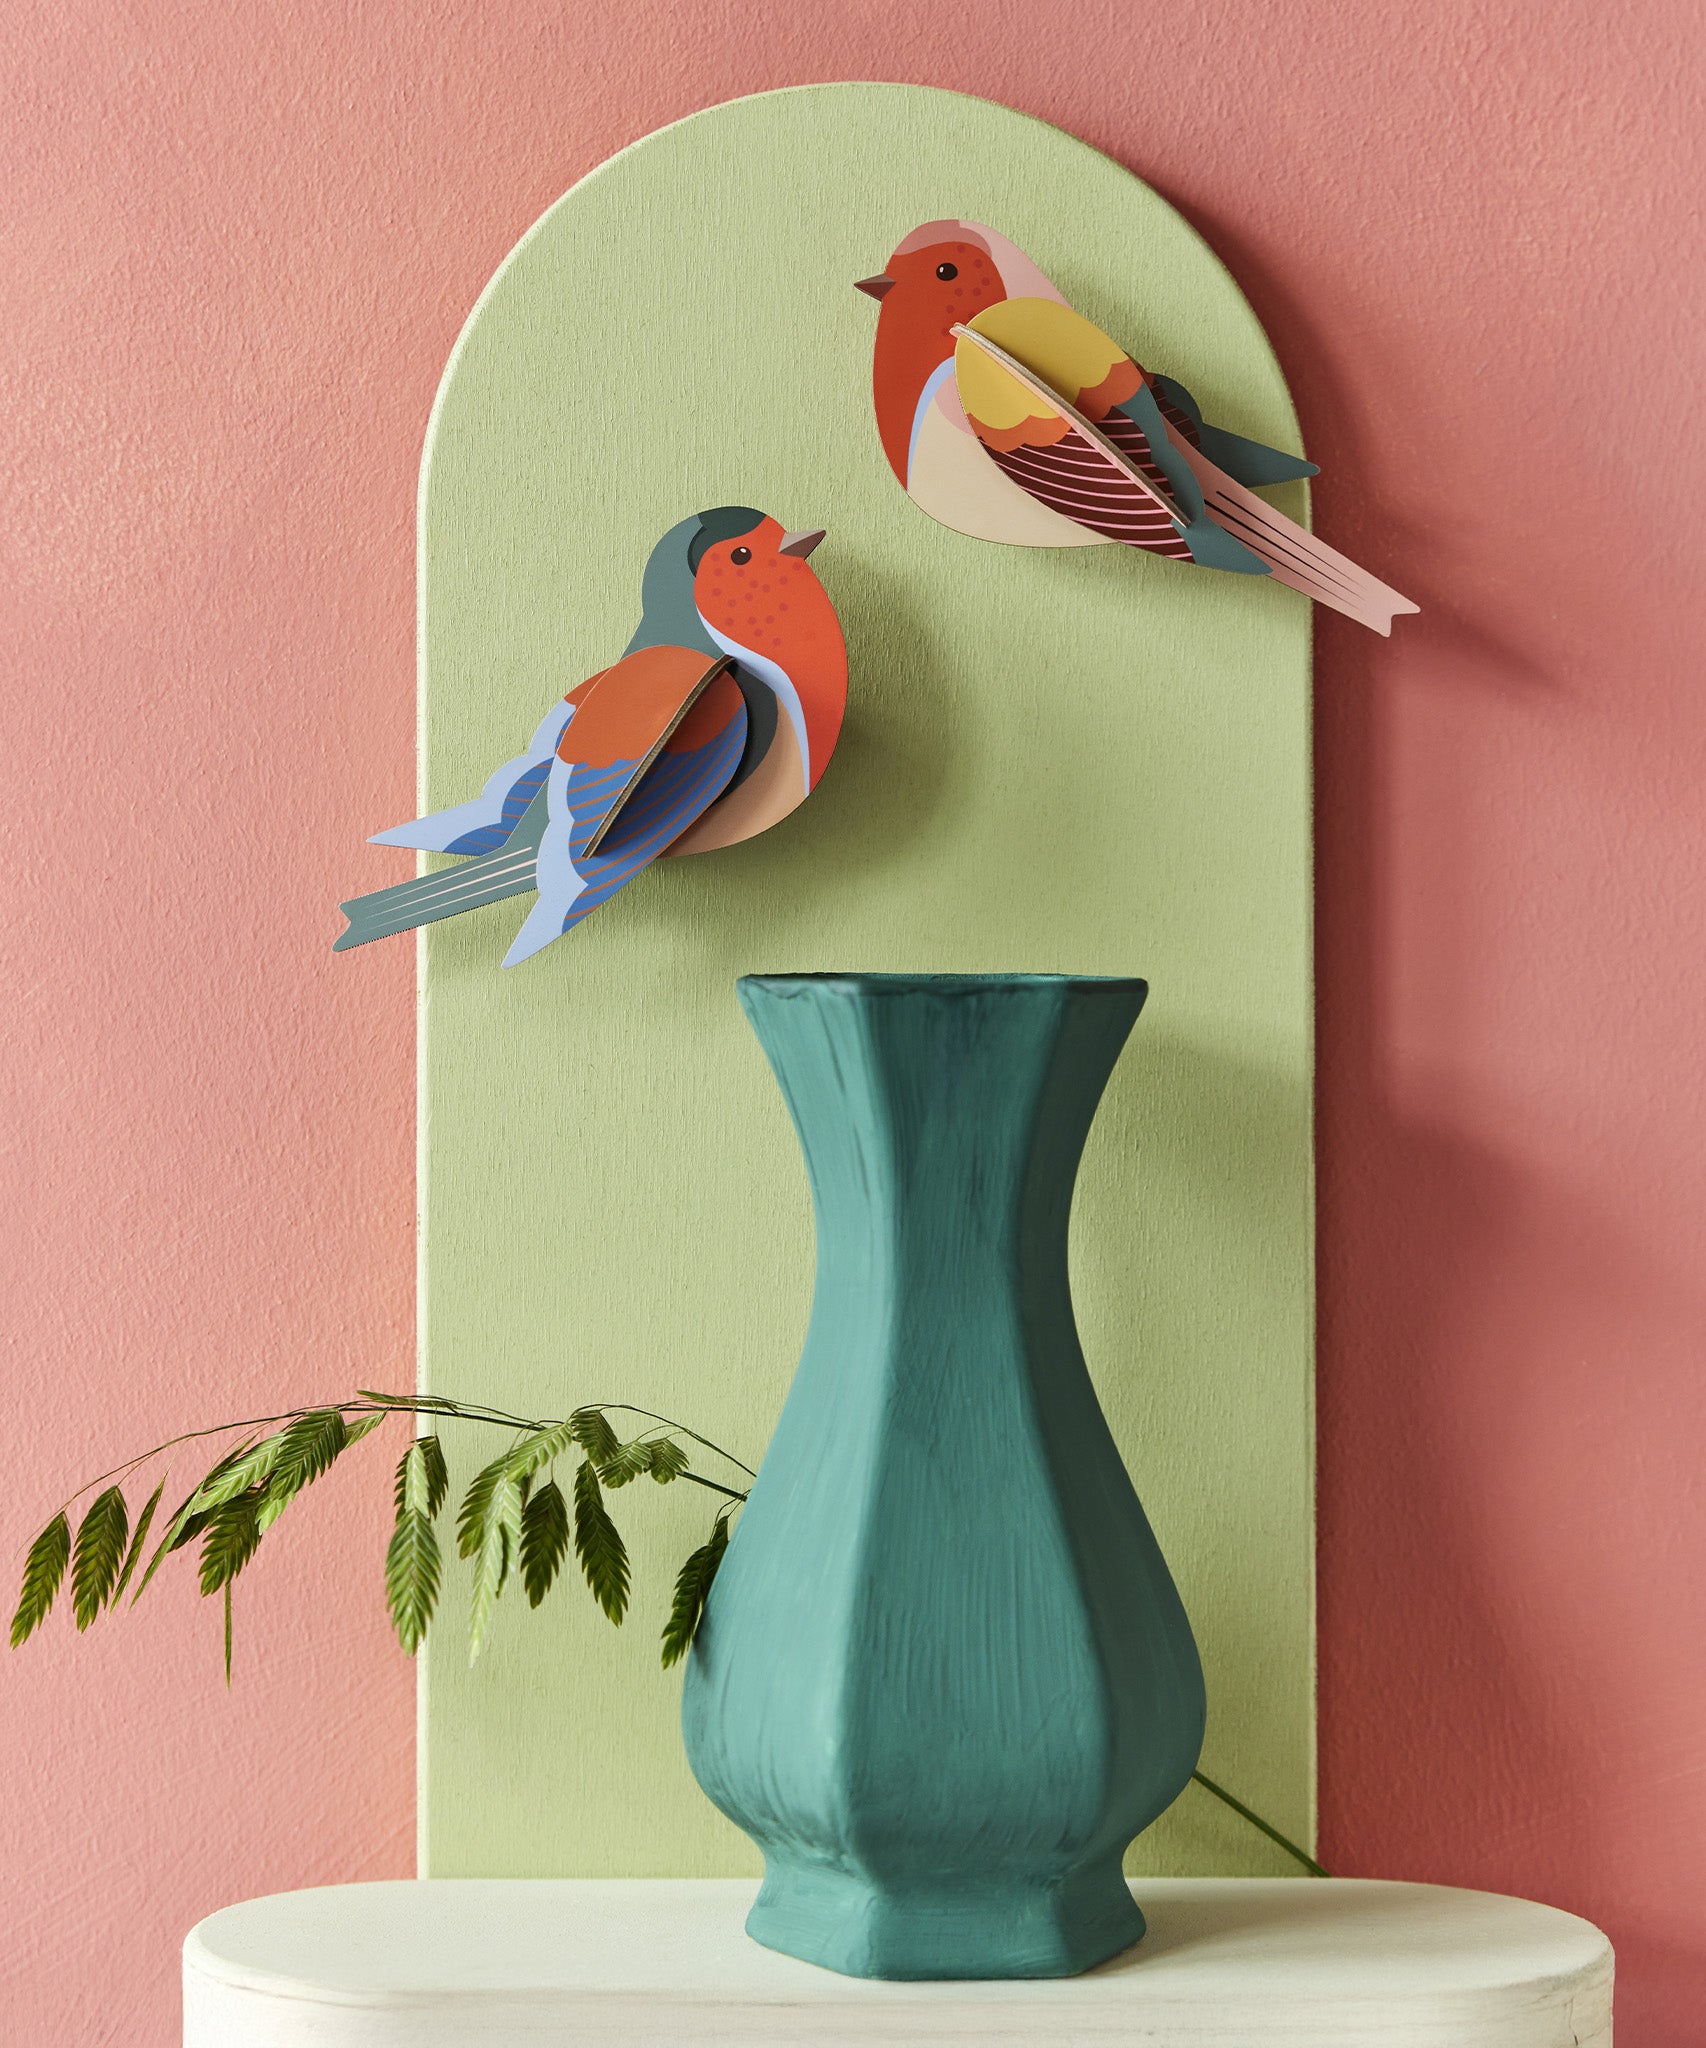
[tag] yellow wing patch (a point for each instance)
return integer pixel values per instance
(1070, 355)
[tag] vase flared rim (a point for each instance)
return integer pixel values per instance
(942, 984)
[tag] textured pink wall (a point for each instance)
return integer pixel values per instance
(239, 243)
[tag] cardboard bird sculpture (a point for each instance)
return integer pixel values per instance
(1008, 416)
(717, 721)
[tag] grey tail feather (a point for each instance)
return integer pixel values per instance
(508, 872)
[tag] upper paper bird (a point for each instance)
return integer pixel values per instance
(717, 721)
(1007, 415)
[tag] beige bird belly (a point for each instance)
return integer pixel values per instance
(952, 479)
(774, 788)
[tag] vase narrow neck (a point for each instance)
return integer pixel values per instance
(942, 1118)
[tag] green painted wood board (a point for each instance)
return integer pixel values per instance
(1080, 760)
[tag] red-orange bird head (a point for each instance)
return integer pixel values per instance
(941, 275)
(759, 599)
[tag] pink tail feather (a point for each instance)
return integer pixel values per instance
(1296, 557)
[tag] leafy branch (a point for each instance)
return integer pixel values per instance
(514, 1522)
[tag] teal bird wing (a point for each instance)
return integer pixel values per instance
(1251, 463)
(1209, 542)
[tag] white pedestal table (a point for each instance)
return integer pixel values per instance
(1227, 1963)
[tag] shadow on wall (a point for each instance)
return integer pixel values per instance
(1456, 1744)
(1434, 1730)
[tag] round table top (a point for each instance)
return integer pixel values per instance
(1226, 1961)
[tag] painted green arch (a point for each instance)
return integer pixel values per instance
(1081, 761)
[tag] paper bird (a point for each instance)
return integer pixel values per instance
(1008, 416)
(717, 722)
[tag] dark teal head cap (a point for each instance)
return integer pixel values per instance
(723, 522)
(669, 617)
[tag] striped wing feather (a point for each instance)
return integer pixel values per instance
(1072, 477)
(621, 726)
(687, 774)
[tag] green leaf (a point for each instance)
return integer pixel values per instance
(182, 1528)
(422, 1480)
(499, 1543)
(187, 1523)
(471, 1516)
(43, 1570)
(668, 1461)
(602, 1553)
(138, 1539)
(178, 1528)
(99, 1554)
(535, 1452)
(593, 1433)
(692, 1588)
(227, 1635)
(306, 1449)
(544, 1540)
(412, 1577)
(626, 1462)
(437, 1473)
(187, 1531)
(309, 1446)
(233, 1536)
(364, 1425)
(271, 1505)
(236, 1474)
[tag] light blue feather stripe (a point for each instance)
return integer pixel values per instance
(488, 838)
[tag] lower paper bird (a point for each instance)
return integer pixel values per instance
(1008, 416)
(717, 722)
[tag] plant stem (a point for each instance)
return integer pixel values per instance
(445, 1404)
(715, 1486)
(627, 1408)
(1256, 1821)
(190, 1436)
(368, 1402)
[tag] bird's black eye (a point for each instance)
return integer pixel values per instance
(741, 557)
(947, 272)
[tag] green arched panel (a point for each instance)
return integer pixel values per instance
(1079, 760)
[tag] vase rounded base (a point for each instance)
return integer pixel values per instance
(850, 1923)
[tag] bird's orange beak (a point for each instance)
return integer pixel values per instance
(874, 287)
(800, 544)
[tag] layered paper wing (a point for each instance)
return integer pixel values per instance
(1033, 379)
(614, 811)
(624, 720)
(486, 822)
(612, 730)
(1046, 393)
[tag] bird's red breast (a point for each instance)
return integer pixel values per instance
(915, 326)
(750, 593)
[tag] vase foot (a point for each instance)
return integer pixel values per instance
(850, 1923)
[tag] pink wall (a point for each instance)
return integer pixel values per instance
(239, 244)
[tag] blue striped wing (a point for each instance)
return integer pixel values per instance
(683, 782)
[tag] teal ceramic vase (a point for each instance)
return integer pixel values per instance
(944, 1675)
